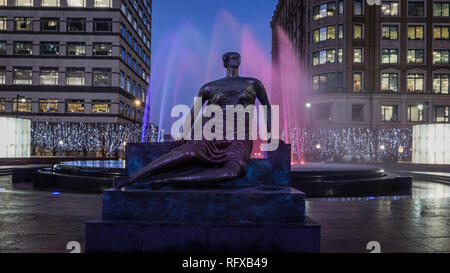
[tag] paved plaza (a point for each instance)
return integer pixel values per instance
(45, 221)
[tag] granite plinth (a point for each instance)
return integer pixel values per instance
(274, 170)
(126, 236)
(259, 204)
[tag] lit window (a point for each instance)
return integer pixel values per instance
(340, 55)
(101, 76)
(74, 106)
(358, 55)
(76, 3)
(341, 6)
(2, 47)
(358, 7)
(75, 76)
(389, 82)
(389, 56)
(48, 105)
(323, 34)
(441, 56)
(3, 22)
(76, 24)
(3, 3)
(357, 81)
(441, 32)
(415, 82)
(389, 32)
(49, 48)
(21, 105)
(2, 75)
(415, 32)
(49, 3)
(24, 3)
(23, 48)
(323, 81)
(442, 113)
(101, 106)
(341, 31)
(415, 56)
(415, 113)
(102, 49)
(23, 23)
(2, 105)
(102, 25)
(103, 3)
(441, 83)
(48, 76)
(49, 24)
(389, 8)
(324, 56)
(76, 49)
(23, 75)
(324, 10)
(416, 9)
(389, 113)
(441, 9)
(358, 32)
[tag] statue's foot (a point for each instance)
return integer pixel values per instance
(122, 181)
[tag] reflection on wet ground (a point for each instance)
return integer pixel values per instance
(44, 221)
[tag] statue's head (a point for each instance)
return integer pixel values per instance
(231, 60)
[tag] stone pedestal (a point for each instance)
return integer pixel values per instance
(253, 214)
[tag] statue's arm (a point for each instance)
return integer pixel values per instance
(261, 95)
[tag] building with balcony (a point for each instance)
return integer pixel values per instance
(75, 60)
(373, 66)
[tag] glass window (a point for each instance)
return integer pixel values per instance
(49, 3)
(128, 84)
(21, 105)
(23, 23)
(75, 76)
(76, 3)
(358, 55)
(340, 55)
(440, 83)
(324, 33)
(101, 106)
(102, 25)
(2, 105)
(441, 56)
(389, 32)
(389, 113)
(415, 56)
(48, 76)
(441, 9)
(2, 75)
(415, 113)
(415, 82)
(357, 112)
(415, 32)
(441, 32)
(24, 3)
(341, 31)
(49, 48)
(340, 80)
(76, 49)
(2, 47)
(74, 106)
(357, 81)
(389, 8)
(49, 24)
(102, 49)
(442, 113)
(341, 6)
(3, 22)
(122, 80)
(123, 31)
(416, 9)
(358, 8)
(23, 48)
(323, 57)
(3, 3)
(324, 10)
(101, 76)
(23, 75)
(389, 82)
(48, 105)
(76, 24)
(323, 81)
(102, 3)
(123, 8)
(358, 32)
(389, 56)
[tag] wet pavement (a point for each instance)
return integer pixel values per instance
(45, 221)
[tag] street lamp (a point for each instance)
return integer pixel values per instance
(137, 102)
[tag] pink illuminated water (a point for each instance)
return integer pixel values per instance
(185, 60)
